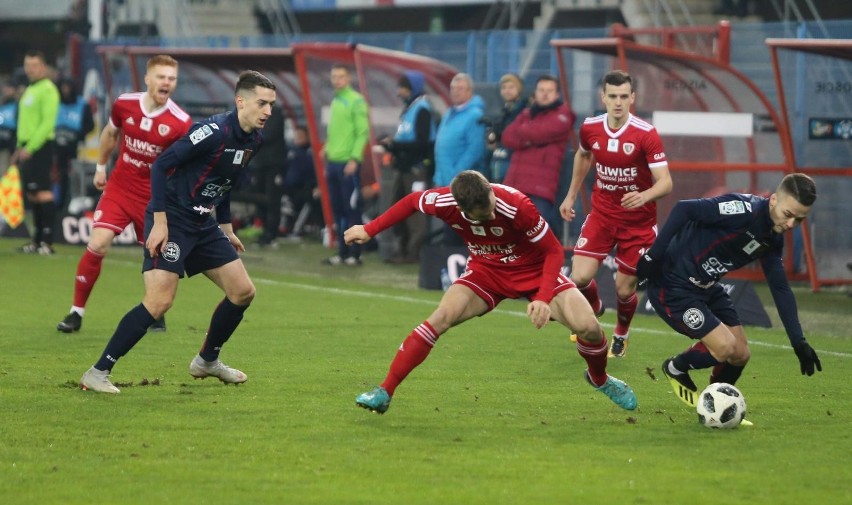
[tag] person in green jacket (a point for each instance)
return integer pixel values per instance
(35, 147)
(347, 136)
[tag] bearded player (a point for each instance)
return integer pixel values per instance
(150, 122)
(631, 174)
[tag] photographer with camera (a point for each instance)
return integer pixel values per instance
(511, 89)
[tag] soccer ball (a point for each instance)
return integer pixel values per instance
(721, 405)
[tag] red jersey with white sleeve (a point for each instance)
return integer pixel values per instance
(623, 161)
(517, 239)
(145, 136)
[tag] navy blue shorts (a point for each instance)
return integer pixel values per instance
(690, 310)
(190, 249)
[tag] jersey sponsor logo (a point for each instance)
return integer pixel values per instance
(628, 147)
(612, 145)
(659, 156)
(731, 208)
(163, 129)
(203, 210)
(616, 174)
(171, 253)
(146, 124)
(693, 318)
(200, 134)
(715, 267)
(130, 160)
(143, 147)
(537, 228)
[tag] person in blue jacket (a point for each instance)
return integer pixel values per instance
(460, 142)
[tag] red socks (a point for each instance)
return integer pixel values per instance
(626, 309)
(88, 270)
(414, 349)
(590, 292)
(595, 356)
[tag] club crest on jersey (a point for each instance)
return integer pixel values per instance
(171, 253)
(478, 230)
(431, 197)
(200, 134)
(497, 231)
(693, 318)
(163, 129)
(628, 147)
(238, 157)
(146, 124)
(731, 208)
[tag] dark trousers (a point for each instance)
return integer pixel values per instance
(344, 193)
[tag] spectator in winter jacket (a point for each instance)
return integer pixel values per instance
(539, 137)
(511, 92)
(460, 142)
(412, 148)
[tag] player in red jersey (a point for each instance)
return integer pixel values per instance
(631, 174)
(513, 254)
(150, 122)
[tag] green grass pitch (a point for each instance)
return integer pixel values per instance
(498, 414)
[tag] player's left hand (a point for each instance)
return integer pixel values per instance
(539, 313)
(633, 200)
(808, 358)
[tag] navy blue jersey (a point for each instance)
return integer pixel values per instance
(720, 235)
(195, 174)
(706, 238)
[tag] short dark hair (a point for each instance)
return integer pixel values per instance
(33, 53)
(799, 186)
(550, 78)
(250, 79)
(471, 190)
(617, 78)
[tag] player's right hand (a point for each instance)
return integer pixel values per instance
(566, 210)
(157, 239)
(99, 180)
(356, 235)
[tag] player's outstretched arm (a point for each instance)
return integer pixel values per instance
(356, 235)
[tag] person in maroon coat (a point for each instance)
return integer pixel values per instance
(539, 137)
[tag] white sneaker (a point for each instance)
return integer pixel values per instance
(98, 381)
(199, 368)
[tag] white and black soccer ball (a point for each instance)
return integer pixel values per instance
(721, 405)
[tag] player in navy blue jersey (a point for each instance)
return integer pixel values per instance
(702, 241)
(190, 183)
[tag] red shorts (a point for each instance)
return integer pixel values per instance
(494, 285)
(599, 235)
(116, 210)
